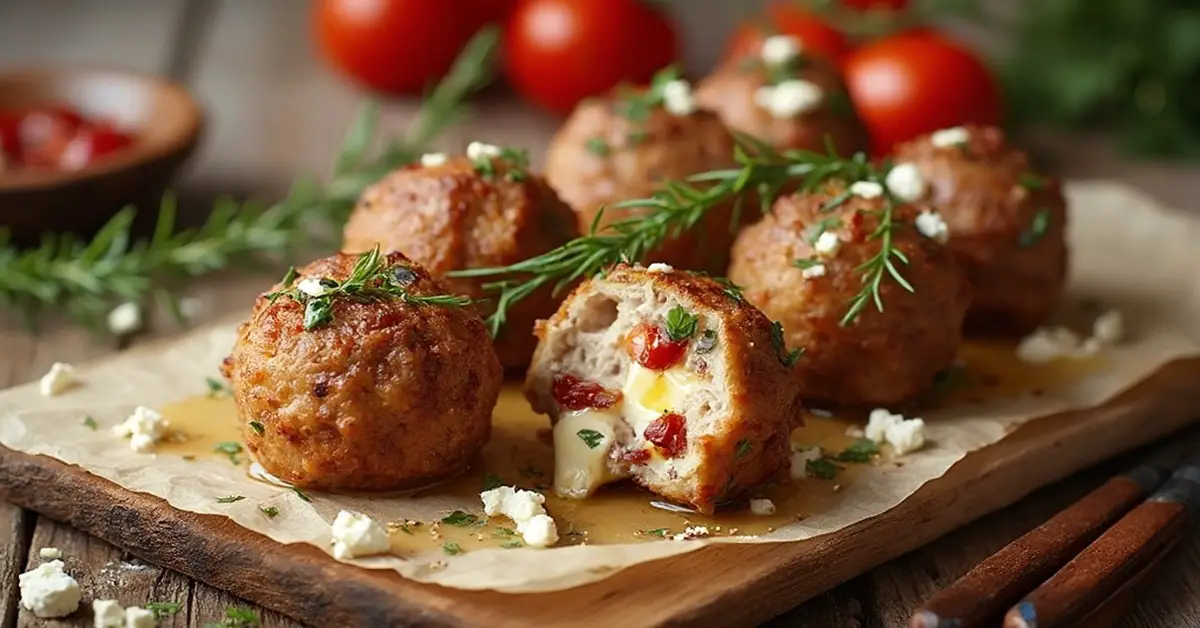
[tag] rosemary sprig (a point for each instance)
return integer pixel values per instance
(371, 279)
(681, 205)
(85, 279)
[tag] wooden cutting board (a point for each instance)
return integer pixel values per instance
(717, 585)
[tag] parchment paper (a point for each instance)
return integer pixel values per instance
(1128, 254)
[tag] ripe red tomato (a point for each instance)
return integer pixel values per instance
(558, 52)
(818, 38)
(489, 11)
(918, 82)
(90, 144)
(10, 139)
(392, 45)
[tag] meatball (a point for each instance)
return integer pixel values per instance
(784, 98)
(622, 147)
(668, 378)
(1007, 224)
(360, 390)
(803, 265)
(451, 216)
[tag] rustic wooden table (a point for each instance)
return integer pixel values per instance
(275, 112)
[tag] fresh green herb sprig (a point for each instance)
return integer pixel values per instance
(680, 205)
(163, 609)
(371, 279)
(515, 160)
(85, 280)
(236, 617)
(636, 104)
(681, 324)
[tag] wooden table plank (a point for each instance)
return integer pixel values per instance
(16, 527)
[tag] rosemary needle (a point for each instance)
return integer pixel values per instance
(681, 205)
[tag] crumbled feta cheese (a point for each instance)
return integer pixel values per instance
(50, 553)
(59, 378)
(762, 507)
(526, 510)
(855, 432)
(828, 244)
(430, 160)
(789, 98)
(540, 531)
(814, 271)
(800, 459)
(48, 591)
(125, 319)
(1109, 328)
(677, 98)
(1047, 344)
(355, 534)
(779, 49)
(932, 226)
(138, 617)
(691, 532)
(107, 614)
(312, 286)
(946, 138)
(479, 150)
(145, 428)
(659, 267)
(906, 182)
(904, 435)
(866, 189)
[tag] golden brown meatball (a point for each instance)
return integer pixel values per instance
(450, 217)
(878, 358)
(792, 104)
(1007, 224)
(668, 378)
(614, 148)
(385, 394)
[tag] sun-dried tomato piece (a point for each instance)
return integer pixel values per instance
(651, 347)
(634, 456)
(573, 393)
(669, 433)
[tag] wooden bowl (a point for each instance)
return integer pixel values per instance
(166, 124)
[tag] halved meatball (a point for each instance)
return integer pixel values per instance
(803, 265)
(1007, 224)
(668, 378)
(622, 146)
(453, 214)
(785, 98)
(363, 391)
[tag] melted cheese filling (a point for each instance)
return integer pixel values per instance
(581, 467)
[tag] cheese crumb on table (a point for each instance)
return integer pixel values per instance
(540, 531)
(800, 459)
(906, 182)
(355, 534)
(1047, 344)
(138, 617)
(59, 378)
(50, 553)
(107, 614)
(691, 532)
(125, 319)
(48, 591)
(946, 138)
(1109, 328)
(145, 428)
(904, 435)
(931, 225)
(526, 510)
(762, 507)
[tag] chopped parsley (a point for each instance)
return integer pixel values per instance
(591, 437)
(597, 146)
(299, 493)
(459, 518)
(822, 468)
(742, 449)
(236, 617)
(270, 511)
(1037, 229)
(231, 449)
(491, 481)
(217, 388)
(862, 450)
(517, 160)
(659, 532)
(635, 137)
(257, 427)
(807, 262)
(681, 324)
(504, 533)
(451, 548)
(405, 528)
(163, 609)
(732, 290)
(636, 106)
(89, 422)
(708, 340)
(511, 544)
(229, 499)
(786, 358)
(1031, 181)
